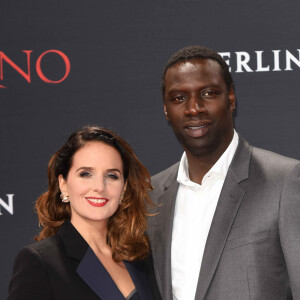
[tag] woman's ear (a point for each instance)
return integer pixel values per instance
(124, 188)
(62, 184)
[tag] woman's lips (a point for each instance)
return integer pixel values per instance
(196, 131)
(98, 202)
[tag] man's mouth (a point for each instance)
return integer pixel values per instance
(197, 131)
(196, 127)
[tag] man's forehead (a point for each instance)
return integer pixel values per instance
(196, 62)
(203, 66)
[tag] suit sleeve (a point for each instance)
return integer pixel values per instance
(29, 279)
(289, 228)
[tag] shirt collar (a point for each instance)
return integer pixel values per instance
(220, 167)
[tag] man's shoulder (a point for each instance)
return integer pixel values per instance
(267, 154)
(262, 164)
(163, 176)
(262, 157)
(273, 160)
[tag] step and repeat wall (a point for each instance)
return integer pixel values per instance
(65, 64)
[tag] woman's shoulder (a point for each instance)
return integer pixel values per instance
(30, 272)
(54, 244)
(35, 253)
(40, 254)
(43, 247)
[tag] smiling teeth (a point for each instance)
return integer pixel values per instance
(96, 200)
(197, 127)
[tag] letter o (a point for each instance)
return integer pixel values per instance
(65, 59)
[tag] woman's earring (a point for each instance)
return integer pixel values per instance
(64, 198)
(121, 198)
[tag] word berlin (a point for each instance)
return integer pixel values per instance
(27, 74)
(261, 61)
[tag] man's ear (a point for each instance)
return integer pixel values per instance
(232, 99)
(166, 113)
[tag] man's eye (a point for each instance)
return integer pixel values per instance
(179, 98)
(209, 94)
(112, 176)
(85, 174)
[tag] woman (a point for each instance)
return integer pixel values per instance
(92, 244)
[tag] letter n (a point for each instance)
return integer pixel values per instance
(5, 58)
(8, 206)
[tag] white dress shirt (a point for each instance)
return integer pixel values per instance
(194, 210)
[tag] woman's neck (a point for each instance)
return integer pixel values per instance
(93, 232)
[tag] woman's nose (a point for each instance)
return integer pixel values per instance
(99, 185)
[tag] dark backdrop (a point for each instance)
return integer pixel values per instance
(117, 50)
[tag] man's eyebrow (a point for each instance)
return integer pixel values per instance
(175, 91)
(182, 90)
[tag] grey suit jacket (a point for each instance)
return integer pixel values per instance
(253, 247)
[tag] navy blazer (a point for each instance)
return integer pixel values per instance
(65, 267)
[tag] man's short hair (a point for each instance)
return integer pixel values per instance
(197, 52)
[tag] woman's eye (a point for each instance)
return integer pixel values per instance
(85, 174)
(112, 176)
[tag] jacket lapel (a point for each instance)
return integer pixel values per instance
(73, 242)
(91, 270)
(95, 275)
(139, 279)
(228, 205)
(78, 249)
(162, 233)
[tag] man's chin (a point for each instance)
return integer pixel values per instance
(197, 148)
(198, 152)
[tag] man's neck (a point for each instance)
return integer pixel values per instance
(199, 165)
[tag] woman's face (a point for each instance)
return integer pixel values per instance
(94, 184)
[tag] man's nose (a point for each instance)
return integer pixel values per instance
(194, 106)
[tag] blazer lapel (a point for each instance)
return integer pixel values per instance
(228, 205)
(91, 270)
(89, 267)
(162, 235)
(139, 279)
(74, 243)
(95, 275)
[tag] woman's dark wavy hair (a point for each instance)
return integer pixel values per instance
(126, 228)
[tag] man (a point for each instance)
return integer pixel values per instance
(228, 214)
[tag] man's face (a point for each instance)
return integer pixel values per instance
(199, 106)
